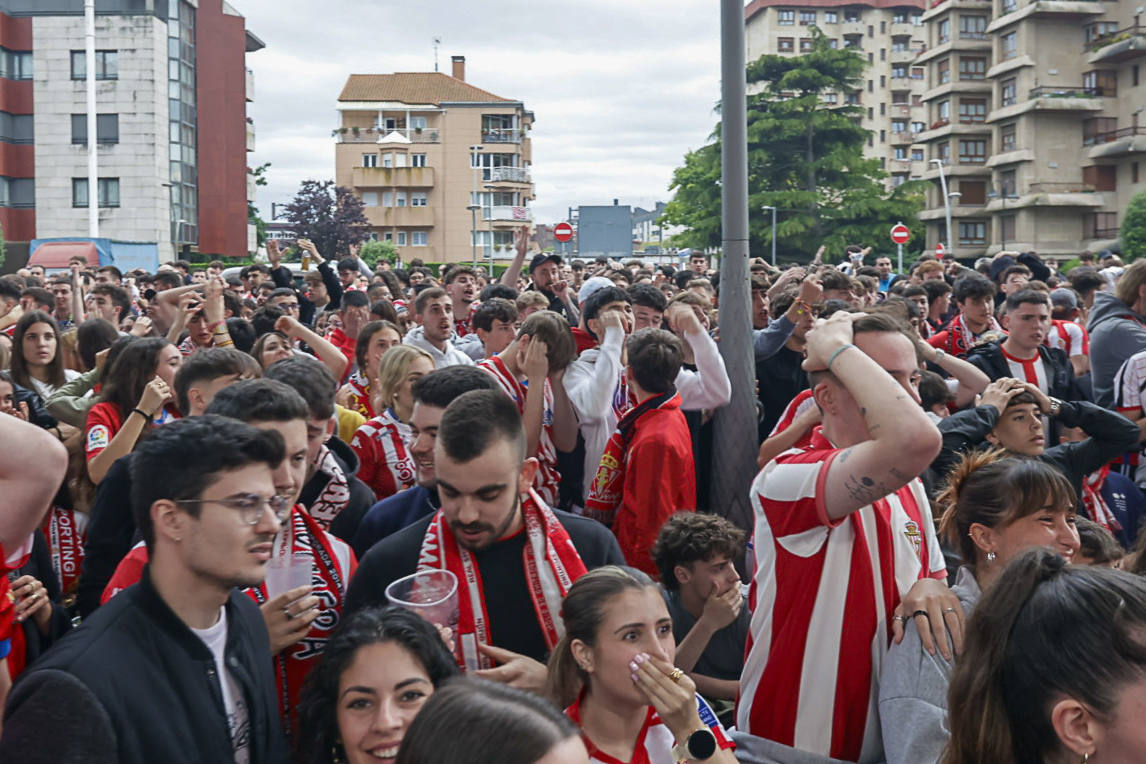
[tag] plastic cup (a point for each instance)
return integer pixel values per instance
(432, 594)
(287, 572)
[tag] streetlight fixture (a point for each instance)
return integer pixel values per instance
(946, 202)
(474, 206)
(769, 207)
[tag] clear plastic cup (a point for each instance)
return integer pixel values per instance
(288, 572)
(432, 594)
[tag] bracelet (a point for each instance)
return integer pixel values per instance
(143, 414)
(216, 326)
(801, 307)
(839, 350)
(224, 343)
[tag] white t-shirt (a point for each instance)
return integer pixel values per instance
(215, 637)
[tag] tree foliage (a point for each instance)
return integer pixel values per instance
(330, 216)
(254, 217)
(805, 158)
(374, 252)
(1133, 230)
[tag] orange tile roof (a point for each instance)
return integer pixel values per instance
(413, 87)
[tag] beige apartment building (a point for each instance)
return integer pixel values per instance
(889, 34)
(428, 153)
(1034, 113)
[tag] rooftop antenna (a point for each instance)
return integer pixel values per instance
(437, 42)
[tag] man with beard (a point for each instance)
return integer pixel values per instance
(434, 313)
(462, 287)
(492, 529)
(545, 270)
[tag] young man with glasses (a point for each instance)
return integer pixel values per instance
(177, 668)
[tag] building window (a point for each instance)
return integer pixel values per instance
(387, 198)
(417, 160)
(917, 155)
(1102, 177)
(1133, 172)
(852, 15)
(900, 43)
(917, 73)
(805, 44)
(943, 152)
(943, 71)
(1008, 182)
(1100, 225)
(418, 199)
(833, 43)
(852, 99)
(107, 65)
(418, 123)
(899, 153)
(387, 160)
(785, 44)
(972, 67)
(1007, 227)
(899, 98)
(1007, 92)
(898, 179)
(1007, 137)
(831, 17)
(418, 238)
(370, 198)
(1100, 29)
(973, 27)
(108, 192)
(918, 127)
(182, 115)
(369, 160)
(15, 64)
(19, 193)
(1007, 6)
(943, 112)
(972, 232)
(401, 239)
(400, 199)
(807, 18)
(785, 17)
(1010, 45)
(972, 151)
(944, 32)
(900, 17)
(1098, 130)
(1100, 83)
(388, 236)
(899, 71)
(972, 110)
(899, 126)
(107, 129)
(973, 192)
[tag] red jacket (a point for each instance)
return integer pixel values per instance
(659, 480)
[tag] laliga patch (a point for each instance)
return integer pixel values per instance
(98, 437)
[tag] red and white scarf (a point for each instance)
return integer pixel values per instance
(66, 531)
(1096, 506)
(335, 495)
(550, 564)
(359, 399)
(607, 488)
(961, 339)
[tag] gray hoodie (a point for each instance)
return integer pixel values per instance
(913, 690)
(450, 357)
(1116, 333)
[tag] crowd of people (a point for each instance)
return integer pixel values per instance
(216, 477)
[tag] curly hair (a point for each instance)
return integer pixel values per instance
(689, 537)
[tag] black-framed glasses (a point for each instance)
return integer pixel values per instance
(250, 506)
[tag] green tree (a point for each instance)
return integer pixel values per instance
(253, 216)
(805, 157)
(374, 252)
(330, 216)
(1133, 230)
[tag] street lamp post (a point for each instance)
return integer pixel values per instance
(769, 207)
(946, 203)
(474, 206)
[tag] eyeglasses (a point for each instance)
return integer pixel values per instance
(250, 506)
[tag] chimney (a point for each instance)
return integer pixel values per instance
(459, 63)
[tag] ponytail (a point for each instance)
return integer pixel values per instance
(565, 678)
(1049, 630)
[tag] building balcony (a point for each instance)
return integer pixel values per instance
(509, 175)
(250, 137)
(1014, 13)
(400, 217)
(1056, 98)
(957, 86)
(393, 177)
(379, 135)
(1121, 45)
(853, 27)
(252, 187)
(905, 56)
(956, 45)
(499, 135)
(938, 7)
(944, 128)
(250, 85)
(1053, 193)
(1013, 156)
(1126, 140)
(955, 170)
(903, 139)
(507, 215)
(897, 29)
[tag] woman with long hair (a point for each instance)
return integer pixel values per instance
(37, 362)
(996, 507)
(279, 343)
(384, 461)
(614, 669)
(376, 672)
(136, 392)
(1054, 669)
(374, 341)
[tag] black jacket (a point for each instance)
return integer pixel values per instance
(361, 497)
(111, 533)
(1110, 435)
(134, 684)
(284, 279)
(1061, 383)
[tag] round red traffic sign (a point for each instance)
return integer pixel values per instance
(900, 233)
(939, 249)
(563, 232)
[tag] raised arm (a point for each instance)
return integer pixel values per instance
(708, 387)
(330, 355)
(78, 312)
(592, 393)
(521, 244)
(972, 380)
(155, 395)
(902, 442)
(536, 368)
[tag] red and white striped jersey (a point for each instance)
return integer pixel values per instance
(654, 742)
(803, 401)
(384, 461)
(1130, 400)
(1069, 337)
(548, 479)
(1031, 370)
(821, 599)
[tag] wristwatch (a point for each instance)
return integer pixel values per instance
(699, 746)
(1055, 406)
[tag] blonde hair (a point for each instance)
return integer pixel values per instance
(1131, 281)
(394, 367)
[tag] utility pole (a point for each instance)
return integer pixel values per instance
(734, 431)
(93, 160)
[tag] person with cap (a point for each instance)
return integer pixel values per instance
(545, 271)
(1066, 333)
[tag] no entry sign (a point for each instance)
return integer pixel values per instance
(563, 232)
(900, 233)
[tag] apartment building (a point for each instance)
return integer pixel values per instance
(172, 129)
(889, 35)
(442, 166)
(1033, 113)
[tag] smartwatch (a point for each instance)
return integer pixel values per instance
(699, 746)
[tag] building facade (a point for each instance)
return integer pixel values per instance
(443, 167)
(171, 99)
(889, 35)
(1034, 114)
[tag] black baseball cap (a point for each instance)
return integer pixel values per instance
(541, 258)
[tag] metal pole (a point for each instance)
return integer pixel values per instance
(899, 269)
(773, 237)
(946, 206)
(93, 160)
(734, 431)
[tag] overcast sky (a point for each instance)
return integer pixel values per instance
(620, 90)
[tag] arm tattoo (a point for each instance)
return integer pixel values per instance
(863, 489)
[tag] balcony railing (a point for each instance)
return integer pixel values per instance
(972, 35)
(508, 214)
(1102, 233)
(372, 134)
(1060, 187)
(1057, 91)
(1116, 36)
(501, 135)
(509, 175)
(1112, 135)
